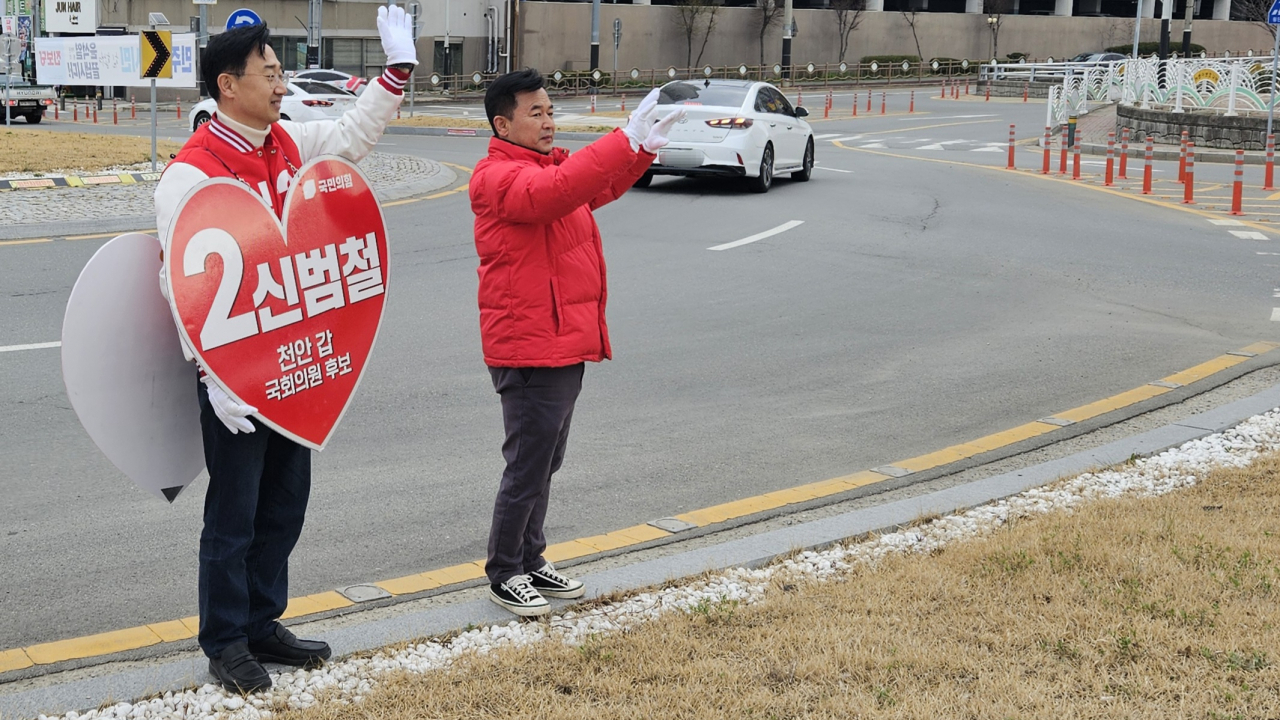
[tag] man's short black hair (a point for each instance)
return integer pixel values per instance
(500, 98)
(229, 52)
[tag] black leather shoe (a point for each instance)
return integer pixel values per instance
(284, 648)
(238, 670)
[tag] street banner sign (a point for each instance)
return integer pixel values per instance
(1273, 15)
(126, 376)
(111, 61)
(241, 18)
(283, 316)
(157, 54)
(9, 25)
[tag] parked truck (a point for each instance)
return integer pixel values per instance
(24, 99)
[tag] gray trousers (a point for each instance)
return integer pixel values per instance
(537, 405)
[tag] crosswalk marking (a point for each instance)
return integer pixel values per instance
(824, 136)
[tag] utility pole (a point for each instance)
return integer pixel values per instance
(786, 40)
(1187, 16)
(1165, 17)
(314, 10)
(595, 35)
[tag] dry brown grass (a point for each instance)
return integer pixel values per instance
(453, 122)
(48, 151)
(1135, 608)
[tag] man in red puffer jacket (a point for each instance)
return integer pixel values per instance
(542, 299)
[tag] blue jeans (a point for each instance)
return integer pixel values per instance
(259, 483)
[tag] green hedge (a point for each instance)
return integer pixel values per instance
(1149, 48)
(1016, 56)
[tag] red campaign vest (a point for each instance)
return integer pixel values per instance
(218, 151)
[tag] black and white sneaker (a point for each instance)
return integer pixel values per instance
(518, 595)
(551, 583)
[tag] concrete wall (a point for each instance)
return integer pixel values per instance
(558, 36)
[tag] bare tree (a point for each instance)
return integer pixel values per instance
(770, 14)
(1116, 33)
(848, 18)
(694, 18)
(911, 13)
(1253, 11)
(995, 10)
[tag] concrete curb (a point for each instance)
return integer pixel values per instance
(174, 672)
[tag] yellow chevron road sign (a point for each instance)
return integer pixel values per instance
(157, 53)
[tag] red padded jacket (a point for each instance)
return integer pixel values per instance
(542, 274)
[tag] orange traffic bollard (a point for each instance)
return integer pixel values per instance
(855, 105)
(988, 98)
(826, 108)
(884, 101)
(624, 102)
(1146, 168)
(1124, 153)
(1271, 156)
(1189, 179)
(966, 86)
(912, 107)
(942, 91)
(133, 109)
(1075, 159)
(55, 111)
(1025, 87)
(1011, 136)
(869, 93)
(1182, 158)
(1237, 190)
(593, 103)
(75, 112)
(115, 113)
(1048, 158)
(1062, 161)
(179, 110)
(1111, 158)
(95, 114)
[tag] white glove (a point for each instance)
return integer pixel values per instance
(232, 414)
(396, 29)
(658, 133)
(642, 120)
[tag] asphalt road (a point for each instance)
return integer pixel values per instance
(923, 302)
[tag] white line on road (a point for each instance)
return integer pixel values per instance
(846, 138)
(1226, 221)
(759, 236)
(825, 136)
(33, 346)
(1275, 314)
(1248, 235)
(833, 169)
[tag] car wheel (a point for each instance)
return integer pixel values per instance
(806, 172)
(761, 182)
(201, 119)
(283, 116)
(35, 118)
(644, 180)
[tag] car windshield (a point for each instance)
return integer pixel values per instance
(696, 93)
(12, 80)
(319, 88)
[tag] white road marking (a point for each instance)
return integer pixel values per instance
(1275, 314)
(759, 236)
(826, 136)
(33, 346)
(847, 137)
(935, 146)
(1249, 235)
(987, 149)
(1225, 221)
(872, 146)
(836, 170)
(960, 117)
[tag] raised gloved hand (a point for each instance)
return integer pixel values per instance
(232, 414)
(657, 138)
(396, 29)
(642, 120)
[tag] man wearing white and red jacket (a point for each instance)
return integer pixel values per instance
(259, 480)
(542, 299)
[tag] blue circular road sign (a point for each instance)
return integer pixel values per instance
(242, 18)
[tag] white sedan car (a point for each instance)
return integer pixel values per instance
(733, 128)
(303, 101)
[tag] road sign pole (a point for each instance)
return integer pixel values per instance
(153, 124)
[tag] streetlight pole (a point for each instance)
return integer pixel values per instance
(595, 35)
(786, 39)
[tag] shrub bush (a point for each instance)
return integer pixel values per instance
(891, 59)
(1147, 48)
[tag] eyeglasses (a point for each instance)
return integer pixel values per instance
(272, 78)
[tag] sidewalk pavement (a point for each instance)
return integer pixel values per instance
(1249, 390)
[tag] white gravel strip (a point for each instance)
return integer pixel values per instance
(350, 680)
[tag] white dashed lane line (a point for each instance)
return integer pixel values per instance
(33, 346)
(759, 236)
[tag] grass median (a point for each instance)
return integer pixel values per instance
(1156, 607)
(49, 151)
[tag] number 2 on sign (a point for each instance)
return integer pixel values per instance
(219, 327)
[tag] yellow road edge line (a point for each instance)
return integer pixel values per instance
(92, 645)
(11, 660)
(99, 236)
(406, 201)
(169, 631)
(26, 242)
(1050, 178)
(1275, 196)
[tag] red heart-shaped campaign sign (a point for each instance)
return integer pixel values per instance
(284, 318)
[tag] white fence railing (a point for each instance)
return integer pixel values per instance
(1229, 86)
